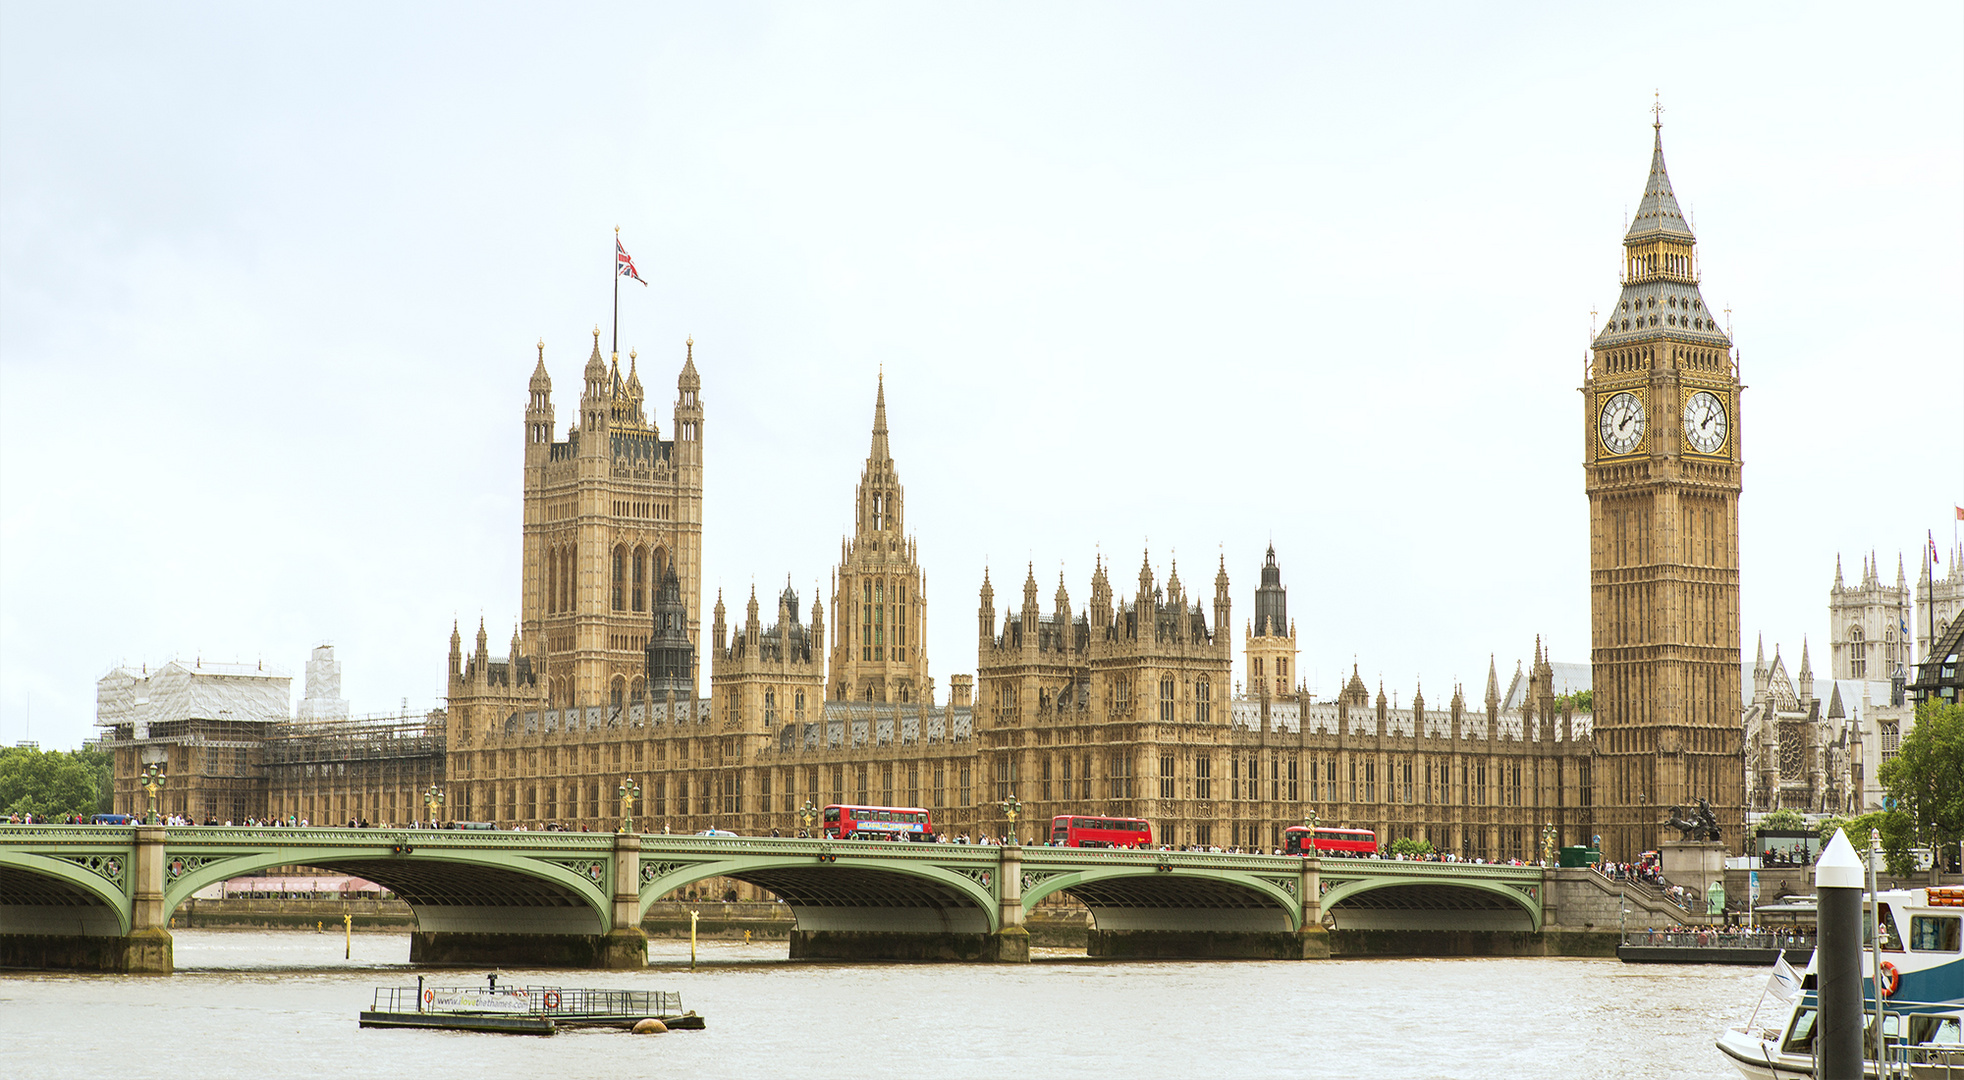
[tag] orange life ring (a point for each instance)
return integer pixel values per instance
(1890, 979)
(552, 999)
(429, 997)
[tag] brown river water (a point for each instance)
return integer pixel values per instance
(282, 1004)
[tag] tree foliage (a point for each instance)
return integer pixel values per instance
(1408, 846)
(1785, 818)
(1926, 777)
(1581, 701)
(54, 784)
(1897, 836)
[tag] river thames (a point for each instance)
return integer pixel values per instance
(260, 1004)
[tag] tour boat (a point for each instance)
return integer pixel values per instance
(1922, 996)
(523, 1010)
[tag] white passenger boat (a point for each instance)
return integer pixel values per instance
(1922, 998)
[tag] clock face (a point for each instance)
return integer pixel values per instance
(1621, 426)
(1704, 422)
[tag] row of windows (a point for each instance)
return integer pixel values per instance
(637, 508)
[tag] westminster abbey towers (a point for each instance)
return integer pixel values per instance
(609, 513)
(1661, 460)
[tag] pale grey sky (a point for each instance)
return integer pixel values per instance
(1193, 275)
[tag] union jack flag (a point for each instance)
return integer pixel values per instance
(623, 262)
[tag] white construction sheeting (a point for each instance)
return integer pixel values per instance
(198, 690)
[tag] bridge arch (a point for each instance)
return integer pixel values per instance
(1432, 903)
(43, 894)
(880, 895)
(457, 890)
(1142, 897)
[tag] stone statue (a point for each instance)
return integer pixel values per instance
(1701, 826)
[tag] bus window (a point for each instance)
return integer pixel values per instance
(831, 813)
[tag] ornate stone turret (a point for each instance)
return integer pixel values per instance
(671, 656)
(879, 599)
(1269, 642)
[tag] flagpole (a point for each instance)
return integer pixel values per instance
(617, 291)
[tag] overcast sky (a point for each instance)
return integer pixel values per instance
(1189, 277)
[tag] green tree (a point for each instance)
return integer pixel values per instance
(1897, 836)
(53, 784)
(1581, 701)
(1410, 847)
(1926, 777)
(1784, 818)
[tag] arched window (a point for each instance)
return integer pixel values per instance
(620, 577)
(640, 577)
(552, 580)
(1858, 653)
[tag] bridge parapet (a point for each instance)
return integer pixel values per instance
(577, 899)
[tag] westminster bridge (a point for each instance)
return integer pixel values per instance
(100, 897)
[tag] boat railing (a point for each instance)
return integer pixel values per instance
(1716, 938)
(547, 1001)
(1921, 1061)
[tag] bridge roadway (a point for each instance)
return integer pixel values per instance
(100, 897)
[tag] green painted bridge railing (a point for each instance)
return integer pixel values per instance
(124, 880)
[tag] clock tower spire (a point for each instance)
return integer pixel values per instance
(1661, 467)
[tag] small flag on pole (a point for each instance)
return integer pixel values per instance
(1960, 513)
(1784, 983)
(623, 262)
(1936, 561)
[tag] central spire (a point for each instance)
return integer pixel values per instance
(880, 421)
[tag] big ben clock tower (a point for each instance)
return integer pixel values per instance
(1661, 460)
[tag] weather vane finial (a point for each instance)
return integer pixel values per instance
(1657, 108)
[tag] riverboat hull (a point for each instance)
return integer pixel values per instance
(1709, 954)
(495, 1025)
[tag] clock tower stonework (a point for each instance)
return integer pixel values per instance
(1661, 463)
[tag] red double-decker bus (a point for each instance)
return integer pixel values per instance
(1071, 831)
(848, 822)
(1354, 843)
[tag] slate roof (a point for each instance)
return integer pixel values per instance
(1658, 213)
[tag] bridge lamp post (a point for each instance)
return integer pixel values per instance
(629, 791)
(152, 781)
(808, 814)
(433, 798)
(1547, 844)
(1012, 807)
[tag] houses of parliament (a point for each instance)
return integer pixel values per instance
(1121, 703)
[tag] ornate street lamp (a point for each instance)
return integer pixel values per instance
(1547, 844)
(1012, 807)
(152, 781)
(433, 798)
(808, 814)
(629, 791)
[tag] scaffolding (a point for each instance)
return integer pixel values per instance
(372, 769)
